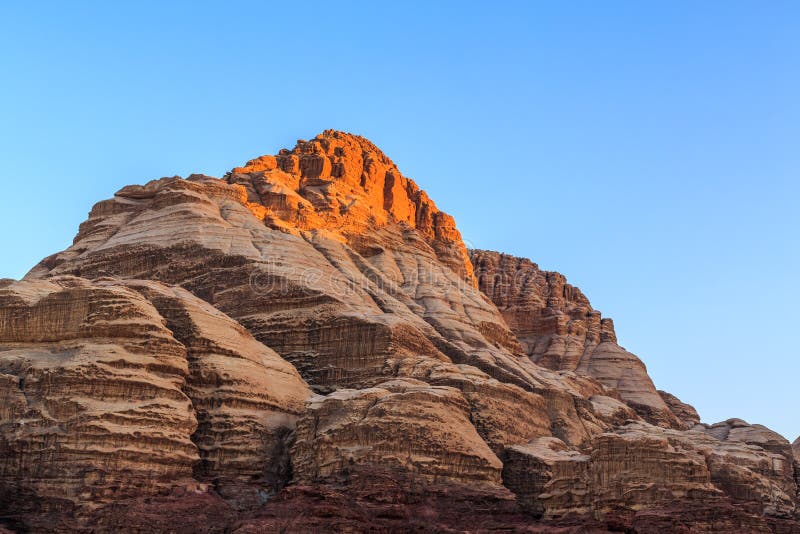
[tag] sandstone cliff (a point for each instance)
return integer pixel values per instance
(122, 390)
(306, 344)
(559, 329)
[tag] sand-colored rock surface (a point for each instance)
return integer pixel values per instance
(246, 398)
(97, 410)
(115, 391)
(684, 412)
(402, 425)
(559, 329)
(640, 466)
(344, 318)
(307, 345)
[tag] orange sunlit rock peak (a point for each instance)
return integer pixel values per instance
(343, 182)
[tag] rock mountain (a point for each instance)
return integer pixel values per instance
(307, 345)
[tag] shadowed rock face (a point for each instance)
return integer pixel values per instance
(306, 344)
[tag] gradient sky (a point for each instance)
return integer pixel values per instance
(647, 150)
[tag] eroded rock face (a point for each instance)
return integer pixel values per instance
(117, 390)
(548, 477)
(639, 466)
(350, 304)
(343, 181)
(306, 345)
(559, 329)
(401, 425)
(94, 379)
(245, 397)
(309, 295)
(684, 412)
(379, 500)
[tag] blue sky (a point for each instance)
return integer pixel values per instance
(647, 150)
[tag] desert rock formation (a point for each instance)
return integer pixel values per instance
(117, 390)
(307, 344)
(559, 329)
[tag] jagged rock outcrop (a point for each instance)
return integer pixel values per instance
(560, 330)
(684, 412)
(343, 181)
(306, 344)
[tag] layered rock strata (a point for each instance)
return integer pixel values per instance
(402, 425)
(639, 464)
(306, 344)
(559, 329)
(116, 390)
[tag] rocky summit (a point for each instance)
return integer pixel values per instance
(306, 345)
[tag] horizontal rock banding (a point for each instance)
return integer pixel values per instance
(306, 344)
(150, 390)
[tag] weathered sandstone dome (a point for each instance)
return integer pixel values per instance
(306, 344)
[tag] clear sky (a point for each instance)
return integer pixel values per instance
(647, 150)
